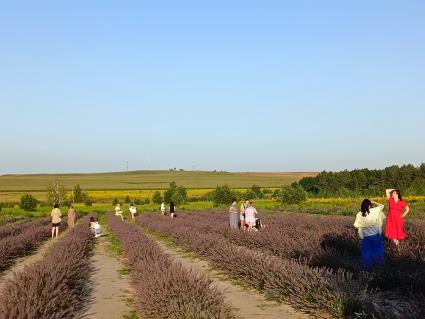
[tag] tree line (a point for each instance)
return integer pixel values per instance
(366, 182)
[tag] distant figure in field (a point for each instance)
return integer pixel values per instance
(162, 208)
(56, 219)
(244, 206)
(118, 211)
(250, 216)
(172, 209)
(234, 216)
(95, 227)
(133, 211)
(71, 217)
(369, 223)
(395, 220)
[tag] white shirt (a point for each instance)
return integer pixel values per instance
(250, 214)
(133, 210)
(162, 206)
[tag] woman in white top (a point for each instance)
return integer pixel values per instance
(162, 208)
(118, 211)
(369, 223)
(133, 211)
(250, 216)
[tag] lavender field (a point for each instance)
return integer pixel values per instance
(311, 262)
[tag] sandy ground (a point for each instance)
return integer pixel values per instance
(248, 304)
(110, 289)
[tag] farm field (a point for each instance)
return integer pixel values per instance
(149, 180)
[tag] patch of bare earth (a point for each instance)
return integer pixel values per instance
(247, 303)
(111, 288)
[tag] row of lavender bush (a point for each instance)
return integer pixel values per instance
(24, 242)
(314, 289)
(165, 289)
(327, 242)
(18, 227)
(56, 286)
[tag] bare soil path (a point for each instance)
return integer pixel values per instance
(111, 288)
(247, 303)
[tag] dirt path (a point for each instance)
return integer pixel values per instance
(110, 289)
(21, 262)
(248, 304)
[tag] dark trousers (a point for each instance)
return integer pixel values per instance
(372, 251)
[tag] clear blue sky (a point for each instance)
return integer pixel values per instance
(227, 85)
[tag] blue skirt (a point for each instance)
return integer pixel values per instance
(372, 251)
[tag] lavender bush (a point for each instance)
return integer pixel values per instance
(56, 286)
(165, 289)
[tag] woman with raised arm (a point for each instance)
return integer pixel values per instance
(395, 219)
(369, 222)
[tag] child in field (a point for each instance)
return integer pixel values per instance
(369, 223)
(118, 211)
(133, 211)
(95, 227)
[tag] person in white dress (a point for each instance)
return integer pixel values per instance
(250, 216)
(162, 208)
(133, 211)
(118, 211)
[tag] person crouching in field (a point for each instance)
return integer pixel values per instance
(71, 216)
(56, 219)
(250, 216)
(95, 227)
(133, 211)
(369, 223)
(395, 221)
(118, 211)
(234, 216)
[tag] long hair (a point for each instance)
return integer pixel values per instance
(398, 193)
(365, 207)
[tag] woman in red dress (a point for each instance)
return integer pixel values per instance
(395, 219)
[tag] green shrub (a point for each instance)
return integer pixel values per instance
(127, 199)
(293, 194)
(176, 194)
(157, 198)
(115, 201)
(88, 202)
(223, 195)
(28, 203)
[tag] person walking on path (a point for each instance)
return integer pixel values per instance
(56, 220)
(395, 220)
(162, 208)
(133, 211)
(71, 217)
(172, 209)
(118, 211)
(244, 206)
(369, 223)
(250, 216)
(234, 216)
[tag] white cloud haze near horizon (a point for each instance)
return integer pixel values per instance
(235, 87)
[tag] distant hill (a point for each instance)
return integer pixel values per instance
(150, 180)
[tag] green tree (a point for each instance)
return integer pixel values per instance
(78, 196)
(257, 191)
(115, 201)
(28, 203)
(293, 194)
(157, 197)
(88, 202)
(56, 193)
(223, 195)
(176, 194)
(127, 199)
